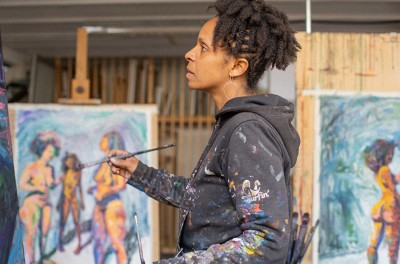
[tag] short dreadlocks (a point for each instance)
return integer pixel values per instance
(256, 31)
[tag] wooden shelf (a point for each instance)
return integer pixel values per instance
(187, 119)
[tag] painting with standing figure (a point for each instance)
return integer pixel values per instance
(359, 182)
(74, 215)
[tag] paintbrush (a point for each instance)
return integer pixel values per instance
(300, 238)
(308, 241)
(139, 240)
(128, 155)
(293, 235)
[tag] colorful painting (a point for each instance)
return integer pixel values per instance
(10, 232)
(359, 183)
(71, 215)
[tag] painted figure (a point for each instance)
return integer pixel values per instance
(71, 184)
(109, 214)
(38, 179)
(386, 212)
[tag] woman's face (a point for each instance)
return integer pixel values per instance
(208, 68)
(104, 144)
(48, 153)
(389, 155)
(70, 162)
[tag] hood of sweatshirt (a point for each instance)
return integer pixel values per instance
(278, 111)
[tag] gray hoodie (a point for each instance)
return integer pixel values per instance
(236, 206)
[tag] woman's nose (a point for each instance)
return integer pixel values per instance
(189, 56)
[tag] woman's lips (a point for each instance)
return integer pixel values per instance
(189, 73)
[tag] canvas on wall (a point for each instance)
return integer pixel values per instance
(359, 182)
(71, 215)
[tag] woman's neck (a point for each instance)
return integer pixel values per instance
(42, 161)
(220, 99)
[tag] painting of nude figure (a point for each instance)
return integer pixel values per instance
(74, 215)
(359, 182)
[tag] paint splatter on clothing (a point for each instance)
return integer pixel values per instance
(236, 206)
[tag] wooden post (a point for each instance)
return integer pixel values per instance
(69, 76)
(163, 160)
(80, 85)
(96, 93)
(104, 80)
(150, 82)
(58, 78)
(181, 165)
(171, 210)
(190, 126)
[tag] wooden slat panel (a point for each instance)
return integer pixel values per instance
(349, 62)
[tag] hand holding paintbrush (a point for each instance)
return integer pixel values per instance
(122, 162)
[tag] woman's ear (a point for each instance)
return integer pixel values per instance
(239, 67)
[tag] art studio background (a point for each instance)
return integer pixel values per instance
(345, 84)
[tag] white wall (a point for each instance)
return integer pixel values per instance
(41, 87)
(19, 62)
(283, 83)
(280, 82)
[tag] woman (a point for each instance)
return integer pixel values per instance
(38, 179)
(109, 214)
(386, 212)
(71, 184)
(236, 206)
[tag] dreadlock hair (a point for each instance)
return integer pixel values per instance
(256, 31)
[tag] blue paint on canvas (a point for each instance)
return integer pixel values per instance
(81, 131)
(10, 247)
(348, 187)
(16, 255)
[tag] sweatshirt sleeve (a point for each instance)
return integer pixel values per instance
(256, 177)
(159, 184)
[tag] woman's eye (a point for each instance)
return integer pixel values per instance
(203, 48)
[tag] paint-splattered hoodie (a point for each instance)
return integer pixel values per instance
(236, 206)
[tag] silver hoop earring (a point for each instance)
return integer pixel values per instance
(230, 82)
